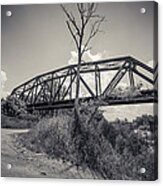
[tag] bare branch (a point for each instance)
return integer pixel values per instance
(73, 35)
(93, 32)
(80, 7)
(78, 31)
(87, 14)
(91, 10)
(81, 10)
(85, 50)
(71, 18)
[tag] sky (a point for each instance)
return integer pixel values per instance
(35, 38)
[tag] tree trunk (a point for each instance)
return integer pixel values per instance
(77, 114)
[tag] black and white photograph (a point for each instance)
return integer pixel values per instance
(79, 91)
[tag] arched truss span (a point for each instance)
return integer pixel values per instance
(99, 81)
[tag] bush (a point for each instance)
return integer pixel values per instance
(112, 150)
(23, 121)
(12, 106)
(15, 115)
(51, 135)
(14, 123)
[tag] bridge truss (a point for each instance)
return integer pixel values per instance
(99, 82)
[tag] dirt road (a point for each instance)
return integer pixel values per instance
(17, 161)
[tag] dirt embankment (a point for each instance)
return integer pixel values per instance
(17, 161)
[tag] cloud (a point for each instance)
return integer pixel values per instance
(90, 77)
(3, 82)
(107, 76)
(74, 58)
(139, 80)
(92, 57)
(87, 57)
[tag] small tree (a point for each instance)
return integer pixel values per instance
(82, 32)
(12, 106)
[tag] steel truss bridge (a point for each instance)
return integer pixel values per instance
(99, 82)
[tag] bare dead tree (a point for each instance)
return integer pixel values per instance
(83, 27)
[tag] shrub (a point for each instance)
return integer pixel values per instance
(22, 121)
(15, 123)
(112, 150)
(15, 115)
(12, 106)
(51, 135)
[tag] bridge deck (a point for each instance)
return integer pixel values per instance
(105, 102)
